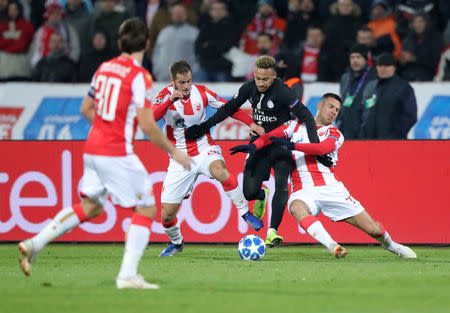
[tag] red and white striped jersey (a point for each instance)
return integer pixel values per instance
(308, 171)
(119, 86)
(184, 113)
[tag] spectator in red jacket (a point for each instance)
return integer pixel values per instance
(265, 21)
(16, 35)
(54, 14)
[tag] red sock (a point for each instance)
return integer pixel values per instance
(142, 220)
(230, 183)
(308, 221)
(170, 224)
(79, 212)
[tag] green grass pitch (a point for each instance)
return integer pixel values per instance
(212, 278)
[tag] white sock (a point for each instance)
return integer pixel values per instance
(237, 196)
(64, 221)
(270, 230)
(387, 242)
(318, 232)
(136, 240)
(174, 233)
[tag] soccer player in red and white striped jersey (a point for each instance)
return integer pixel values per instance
(183, 104)
(315, 188)
(119, 100)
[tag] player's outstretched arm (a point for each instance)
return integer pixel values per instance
(259, 143)
(324, 147)
(88, 108)
(196, 131)
(148, 125)
(305, 116)
(228, 109)
(255, 129)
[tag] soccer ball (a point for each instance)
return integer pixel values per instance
(251, 248)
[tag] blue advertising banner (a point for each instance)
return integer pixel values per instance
(57, 119)
(435, 121)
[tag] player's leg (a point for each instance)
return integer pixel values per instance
(94, 195)
(256, 171)
(64, 221)
(377, 231)
(137, 238)
(130, 187)
(282, 167)
(177, 185)
(302, 213)
(172, 229)
(229, 183)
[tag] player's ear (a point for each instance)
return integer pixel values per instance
(147, 44)
(119, 45)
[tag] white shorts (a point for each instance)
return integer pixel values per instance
(332, 200)
(124, 178)
(179, 182)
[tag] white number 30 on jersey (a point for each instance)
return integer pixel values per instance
(107, 94)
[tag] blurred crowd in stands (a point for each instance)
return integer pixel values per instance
(66, 40)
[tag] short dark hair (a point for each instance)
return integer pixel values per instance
(133, 35)
(265, 62)
(360, 49)
(179, 67)
(332, 95)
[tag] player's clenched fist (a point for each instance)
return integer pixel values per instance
(176, 95)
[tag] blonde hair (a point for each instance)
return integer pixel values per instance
(265, 62)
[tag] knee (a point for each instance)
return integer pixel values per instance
(168, 218)
(299, 210)
(94, 212)
(91, 208)
(251, 194)
(168, 214)
(219, 171)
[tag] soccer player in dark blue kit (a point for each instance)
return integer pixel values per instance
(272, 102)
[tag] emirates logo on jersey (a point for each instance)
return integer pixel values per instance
(321, 133)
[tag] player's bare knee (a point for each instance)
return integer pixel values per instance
(219, 171)
(299, 209)
(167, 218)
(168, 212)
(91, 208)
